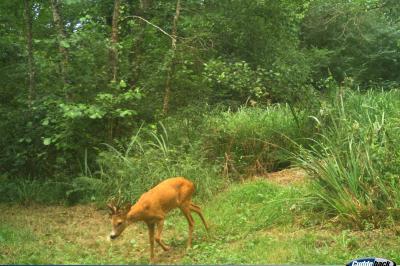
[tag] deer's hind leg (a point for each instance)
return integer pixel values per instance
(197, 209)
(186, 211)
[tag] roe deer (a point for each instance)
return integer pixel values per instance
(153, 206)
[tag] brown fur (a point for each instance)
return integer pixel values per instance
(153, 206)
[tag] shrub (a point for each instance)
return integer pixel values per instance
(355, 159)
(26, 191)
(254, 140)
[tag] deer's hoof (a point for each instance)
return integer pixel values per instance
(166, 248)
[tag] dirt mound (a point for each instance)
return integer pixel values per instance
(287, 176)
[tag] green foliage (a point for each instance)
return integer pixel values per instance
(28, 191)
(228, 53)
(245, 78)
(256, 206)
(130, 171)
(84, 188)
(11, 237)
(361, 38)
(254, 31)
(250, 223)
(355, 159)
(286, 81)
(235, 81)
(258, 222)
(254, 140)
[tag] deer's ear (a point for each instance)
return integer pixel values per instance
(112, 208)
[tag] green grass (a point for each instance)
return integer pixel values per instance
(127, 172)
(255, 223)
(355, 159)
(263, 223)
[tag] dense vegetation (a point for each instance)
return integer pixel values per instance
(103, 99)
(250, 224)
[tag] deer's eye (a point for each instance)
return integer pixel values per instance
(119, 223)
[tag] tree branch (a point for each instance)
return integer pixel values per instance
(155, 26)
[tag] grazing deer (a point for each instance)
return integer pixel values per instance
(152, 208)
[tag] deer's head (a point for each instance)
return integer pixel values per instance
(119, 220)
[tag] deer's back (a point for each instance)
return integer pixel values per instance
(168, 194)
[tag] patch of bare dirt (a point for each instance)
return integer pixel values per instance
(87, 227)
(287, 176)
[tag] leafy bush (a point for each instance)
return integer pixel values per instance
(84, 188)
(286, 81)
(254, 140)
(361, 41)
(235, 81)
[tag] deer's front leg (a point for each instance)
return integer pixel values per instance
(151, 238)
(160, 225)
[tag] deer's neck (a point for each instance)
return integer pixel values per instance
(135, 213)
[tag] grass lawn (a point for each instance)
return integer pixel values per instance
(256, 222)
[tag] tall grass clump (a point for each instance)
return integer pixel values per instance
(355, 158)
(27, 191)
(252, 141)
(147, 159)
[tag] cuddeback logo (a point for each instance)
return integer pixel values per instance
(371, 262)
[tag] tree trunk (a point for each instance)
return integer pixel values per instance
(171, 69)
(29, 47)
(62, 36)
(135, 57)
(114, 40)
